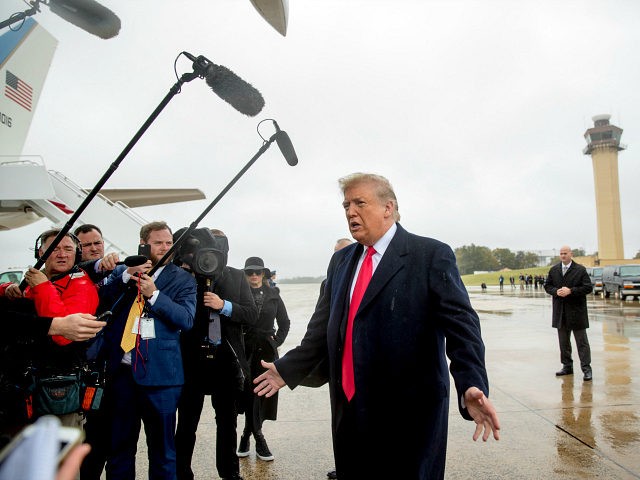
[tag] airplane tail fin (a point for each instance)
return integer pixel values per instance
(25, 59)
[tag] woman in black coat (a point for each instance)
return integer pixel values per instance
(261, 343)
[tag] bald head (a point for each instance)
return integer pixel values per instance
(566, 254)
(341, 243)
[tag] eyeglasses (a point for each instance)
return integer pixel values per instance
(89, 244)
(248, 273)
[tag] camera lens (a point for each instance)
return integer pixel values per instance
(207, 262)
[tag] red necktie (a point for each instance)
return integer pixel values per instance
(364, 276)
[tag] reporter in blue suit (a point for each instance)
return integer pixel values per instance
(414, 310)
(146, 382)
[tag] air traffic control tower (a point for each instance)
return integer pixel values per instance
(603, 144)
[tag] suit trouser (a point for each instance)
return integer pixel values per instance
(223, 401)
(582, 343)
(134, 404)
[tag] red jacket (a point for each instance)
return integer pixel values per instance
(73, 293)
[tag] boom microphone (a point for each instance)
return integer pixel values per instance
(228, 86)
(285, 145)
(88, 15)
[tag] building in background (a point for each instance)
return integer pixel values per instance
(603, 144)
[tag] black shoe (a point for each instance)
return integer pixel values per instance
(332, 475)
(243, 447)
(262, 449)
(587, 377)
(564, 371)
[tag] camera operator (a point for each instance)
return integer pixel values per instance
(144, 365)
(55, 362)
(213, 352)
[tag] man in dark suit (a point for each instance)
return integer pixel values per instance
(390, 397)
(569, 284)
(144, 362)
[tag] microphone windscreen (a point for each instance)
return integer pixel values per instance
(88, 15)
(286, 147)
(233, 90)
(135, 260)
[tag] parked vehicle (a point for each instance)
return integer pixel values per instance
(595, 274)
(621, 280)
(13, 275)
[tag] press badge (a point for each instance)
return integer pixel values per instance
(145, 326)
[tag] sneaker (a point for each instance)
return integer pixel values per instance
(243, 447)
(262, 450)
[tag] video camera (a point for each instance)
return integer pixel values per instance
(203, 252)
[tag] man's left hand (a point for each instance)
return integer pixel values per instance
(483, 413)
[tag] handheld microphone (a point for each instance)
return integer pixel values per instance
(285, 145)
(228, 86)
(133, 261)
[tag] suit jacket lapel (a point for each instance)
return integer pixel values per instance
(344, 277)
(390, 264)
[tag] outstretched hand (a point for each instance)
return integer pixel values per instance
(483, 413)
(269, 382)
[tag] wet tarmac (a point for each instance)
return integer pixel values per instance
(552, 427)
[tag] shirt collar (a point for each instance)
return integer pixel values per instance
(382, 244)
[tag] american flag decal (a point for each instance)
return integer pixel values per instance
(18, 91)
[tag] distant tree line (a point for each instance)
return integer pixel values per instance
(471, 258)
(295, 280)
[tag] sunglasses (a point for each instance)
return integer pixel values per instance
(248, 273)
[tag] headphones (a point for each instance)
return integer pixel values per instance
(52, 233)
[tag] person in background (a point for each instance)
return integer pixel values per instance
(569, 284)
(94, 261)
(393, 305)
(91, 240)
(97, 421)
(261, 343)
(271, 278)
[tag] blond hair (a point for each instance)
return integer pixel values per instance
(383, 189)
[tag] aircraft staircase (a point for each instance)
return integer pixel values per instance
(28, 192)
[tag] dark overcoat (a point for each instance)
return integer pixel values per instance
(415, 301)
(574, 306)
(261, 343)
